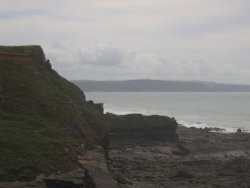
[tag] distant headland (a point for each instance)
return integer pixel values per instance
(146, 85)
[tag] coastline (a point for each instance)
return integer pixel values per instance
(218, 129)
(199, 125)
(203, 156)
(189, 109)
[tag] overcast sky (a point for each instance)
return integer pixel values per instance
(131, 39)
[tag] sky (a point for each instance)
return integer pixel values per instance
(206, 40)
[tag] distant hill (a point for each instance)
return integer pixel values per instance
(158, 86)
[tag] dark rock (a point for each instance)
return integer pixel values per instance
(182, 174)
(50, 183)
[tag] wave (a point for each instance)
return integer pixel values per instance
(124, 111)
(220, 129)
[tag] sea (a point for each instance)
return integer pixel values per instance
(228, 111)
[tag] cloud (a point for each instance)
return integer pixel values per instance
(174, 39)
(105, 62)
(73, 57)
(101, 55)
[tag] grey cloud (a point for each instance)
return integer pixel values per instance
(134, 64)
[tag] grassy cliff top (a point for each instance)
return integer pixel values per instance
(19, 49)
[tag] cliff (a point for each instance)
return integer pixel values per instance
(51, 137)
(45, 121)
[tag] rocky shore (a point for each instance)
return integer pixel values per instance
(198, 159)
(194, 158)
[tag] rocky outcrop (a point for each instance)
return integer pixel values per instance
(140, 129)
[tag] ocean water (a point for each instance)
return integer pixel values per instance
(229, 111)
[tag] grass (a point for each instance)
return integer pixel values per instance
(18, 49)
(26, 150)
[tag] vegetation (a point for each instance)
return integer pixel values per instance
(140, 127)
(18, 49)
(43, 119)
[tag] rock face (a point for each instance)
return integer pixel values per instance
(45, 121)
